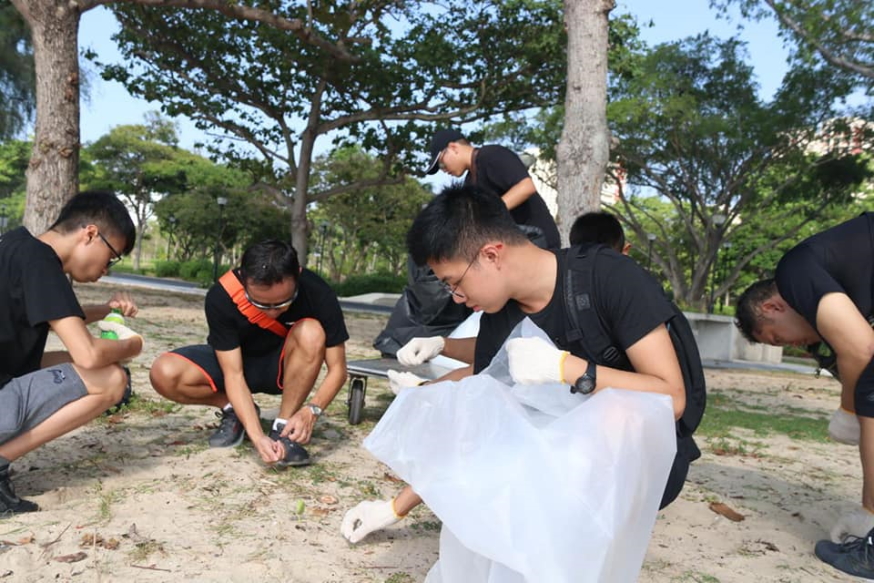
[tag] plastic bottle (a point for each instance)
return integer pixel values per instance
(116, 316)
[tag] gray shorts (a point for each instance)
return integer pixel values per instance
(28, 400)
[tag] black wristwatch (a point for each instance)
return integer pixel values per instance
(586, 383)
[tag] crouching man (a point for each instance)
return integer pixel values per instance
(271, 326)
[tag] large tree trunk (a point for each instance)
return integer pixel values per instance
(584, 149)
(52, 176)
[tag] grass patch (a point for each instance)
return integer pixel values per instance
(725, 413)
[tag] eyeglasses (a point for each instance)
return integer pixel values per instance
(117, 257)
(280, 306)
(451, 288)
(440, 163)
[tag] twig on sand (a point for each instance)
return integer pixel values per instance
(151, 568)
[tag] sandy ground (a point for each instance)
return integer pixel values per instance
(139, 497)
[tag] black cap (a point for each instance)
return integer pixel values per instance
(439, 142)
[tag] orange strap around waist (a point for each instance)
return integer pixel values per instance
(235, 289)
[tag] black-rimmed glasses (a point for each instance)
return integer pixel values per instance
(115, 260)
(451, 288)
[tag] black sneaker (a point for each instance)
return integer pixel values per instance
(125, 398)
(295, 454)
(230, 432)
(9, 502)
(854, 556)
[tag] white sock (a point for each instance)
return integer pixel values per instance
(228, 407)
(278, 424)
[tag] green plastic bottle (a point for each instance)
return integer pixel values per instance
(116, 316)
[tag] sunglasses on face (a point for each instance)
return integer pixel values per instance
(280, 306)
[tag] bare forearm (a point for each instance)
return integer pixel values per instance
(405, 501)
(462, 349)
(519, 193)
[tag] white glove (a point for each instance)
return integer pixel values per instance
(844, 427)
(398, 381)
(857, 523)
(419, 350)
(535, 361)
(367, 517)
(122, 331)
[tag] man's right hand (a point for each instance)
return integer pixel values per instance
(419, 350)
(269, 450)
(367, 517)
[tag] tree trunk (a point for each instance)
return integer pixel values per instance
(52, 176)
(584, 150)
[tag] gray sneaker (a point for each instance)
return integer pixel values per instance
(855, 556)
(230, 432)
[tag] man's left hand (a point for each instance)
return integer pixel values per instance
(535, 361)
(300, 427)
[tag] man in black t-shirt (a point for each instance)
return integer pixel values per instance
(471, 243)
(822, 297)
(271, 326)
(499, 172)
(44, 395)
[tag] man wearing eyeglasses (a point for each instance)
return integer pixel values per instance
(499, 172)
(44, 395)
(271, 326)
(469, 242)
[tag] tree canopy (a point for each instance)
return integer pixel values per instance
(409, 66)
(17, 83)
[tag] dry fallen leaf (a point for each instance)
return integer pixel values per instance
(726, 511)
(26, 540)
(328, 499)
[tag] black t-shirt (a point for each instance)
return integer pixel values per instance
(33, 292)
(495, 171)
(836, 260)
(629, 301)
(229, 328)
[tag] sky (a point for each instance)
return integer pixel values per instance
(110, 105)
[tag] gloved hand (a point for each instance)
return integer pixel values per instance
(419, 350)
(368, 517)
(856, 523)
(122, 331)
(535, 361)
(844, 427)
(398, 381)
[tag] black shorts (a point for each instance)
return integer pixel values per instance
(263, 373)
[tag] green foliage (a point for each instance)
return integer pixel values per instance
(355, 285)
(724, 413)
(168, 268)
(190, 270)
(376, 75)
(691, 130)
(837, 32)
(17, 77)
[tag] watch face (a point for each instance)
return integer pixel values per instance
(584, 385)
(317, 411)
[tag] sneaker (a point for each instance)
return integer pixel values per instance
(125, 398)
(295, 454)
(9, 502)
(230, 432)
(854, 556)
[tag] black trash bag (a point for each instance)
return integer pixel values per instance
(425, 308)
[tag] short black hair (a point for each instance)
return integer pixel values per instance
(269, 262)
(748, 315)
(101, 208)
(458, 222)
(598, 227)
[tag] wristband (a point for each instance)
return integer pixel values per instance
(561, 360)
(395, 512)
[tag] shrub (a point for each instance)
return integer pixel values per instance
(167, 268)
(190, 269)
(370, 283)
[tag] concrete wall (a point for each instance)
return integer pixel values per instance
(719, 339)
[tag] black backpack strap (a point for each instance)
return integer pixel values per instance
(586, 329)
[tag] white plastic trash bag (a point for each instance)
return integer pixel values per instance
(561, 488)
